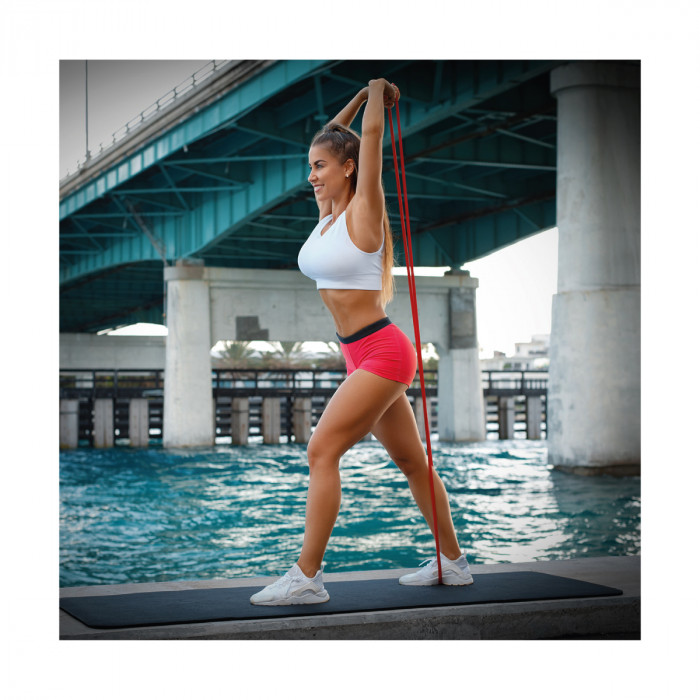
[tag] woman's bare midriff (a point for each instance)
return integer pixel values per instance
(353, 309)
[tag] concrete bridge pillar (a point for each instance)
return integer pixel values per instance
(460, 396)
(188, 415)
(594, 376)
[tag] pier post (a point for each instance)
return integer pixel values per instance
(240, 421)
(506, 418)
(138, 422)
(188, 418)
(103, 423)
(68, 424)
(301, 420)
(271, 420)
(533, 413)
(594, 422)
(420, 416)
(460, 396)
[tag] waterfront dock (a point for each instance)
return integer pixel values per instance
(614, 617)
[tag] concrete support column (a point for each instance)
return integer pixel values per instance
(460, 396)
(301, 420)
(188, 417)
(271, 426)
(68, 425)
(506, 418)
(103, 423)
(533, 417)
(138, 422)
(594, 376)
(240, 421)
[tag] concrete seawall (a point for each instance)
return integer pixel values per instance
(616, 617)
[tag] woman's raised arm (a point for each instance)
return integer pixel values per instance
(368, 204)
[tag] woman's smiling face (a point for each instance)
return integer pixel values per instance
(327, 175)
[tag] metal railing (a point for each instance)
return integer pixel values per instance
(196, 79)
(93, 383)
(110, 383)
(505, 382)
(88, 385)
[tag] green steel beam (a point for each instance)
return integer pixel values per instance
(172, 184)
(487, 211)
(271, 239)
(169, 190)
(119, 215)
(515, 135)
(489, 164)
(207, 174)
(99, 234)
(458, 185)
(271, 133)
(174, 209)
(238, 159)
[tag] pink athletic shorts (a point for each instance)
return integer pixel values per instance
(383, 349)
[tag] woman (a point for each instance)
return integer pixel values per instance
(350, 255)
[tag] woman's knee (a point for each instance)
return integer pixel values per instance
(411, 465)
(321, 455)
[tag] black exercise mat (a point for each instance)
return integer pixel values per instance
(216, 604)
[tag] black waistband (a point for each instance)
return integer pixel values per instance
(367, 330)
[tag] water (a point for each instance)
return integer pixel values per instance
(159, 515)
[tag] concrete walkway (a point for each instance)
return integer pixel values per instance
(615, 617)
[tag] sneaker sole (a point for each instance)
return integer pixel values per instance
(297, 600)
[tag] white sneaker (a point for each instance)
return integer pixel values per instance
(454, 573)
(294, 588)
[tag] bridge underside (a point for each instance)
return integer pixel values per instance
(227, 184)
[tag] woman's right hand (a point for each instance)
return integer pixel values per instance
(391, 92)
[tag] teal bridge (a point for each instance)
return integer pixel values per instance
(220, 173)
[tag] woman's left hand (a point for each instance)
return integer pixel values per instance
(391, 99)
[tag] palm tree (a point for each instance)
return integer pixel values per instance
(286, 355)
(332, 358)
(429, 355)
(235, 354)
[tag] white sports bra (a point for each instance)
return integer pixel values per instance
(335, 262)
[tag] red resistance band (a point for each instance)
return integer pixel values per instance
(408, 251)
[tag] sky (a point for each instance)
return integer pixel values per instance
(516, 284)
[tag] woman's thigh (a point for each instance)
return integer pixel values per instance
(356, 406)
(398, 432)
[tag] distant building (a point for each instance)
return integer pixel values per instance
(531, 355)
